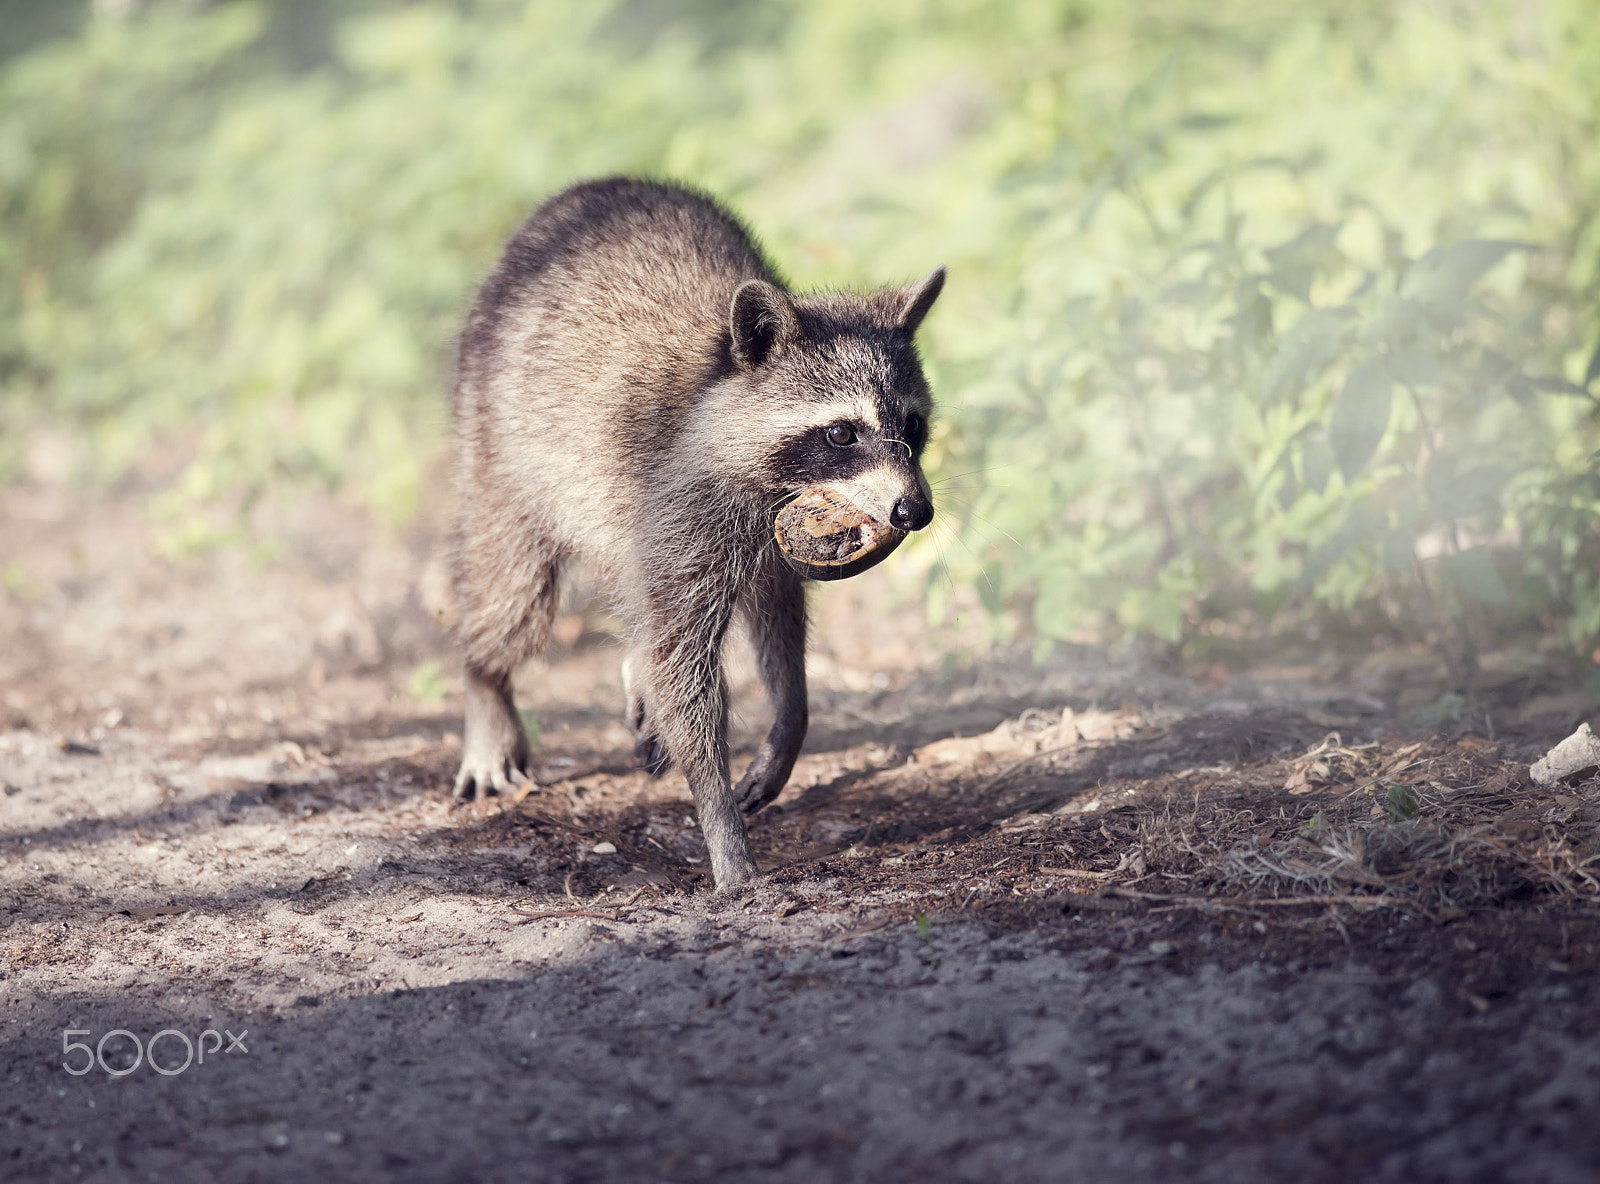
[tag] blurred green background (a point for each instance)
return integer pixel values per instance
(1254, 321)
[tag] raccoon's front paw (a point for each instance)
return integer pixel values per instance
(479, 776)
(651, 753)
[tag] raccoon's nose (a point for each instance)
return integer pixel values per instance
(910, 513)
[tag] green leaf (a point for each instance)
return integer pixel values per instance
(1473, 574)
(1290, 489)
(1498, 373)
(1194, 293)
(1401, 803)
(1316, 461)
(1253, 321)
(1361, 416)
(531, 723)
(1294, 265)
(428, 682)
(1204, 121)
(1445, 275)
(1415, 367)
(1362, 524)
(1305, 350)
(1556, 386)
(1592, 370)
(1395, 322)
(1465, 493)
(1399, 552)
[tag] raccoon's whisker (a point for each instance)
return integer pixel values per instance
(945, 532)
(956, 536)
(997, 529)
(944, 568)
(969, 473)
(969, 507)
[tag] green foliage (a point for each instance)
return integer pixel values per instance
(428, 682)
(1246, 313)
(1401, 803)
(925, 932)
(1251, 369)
(531, 724)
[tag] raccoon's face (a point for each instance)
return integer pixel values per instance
(867, 444)
(836, 395)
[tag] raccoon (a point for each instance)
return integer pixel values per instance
(638, 389)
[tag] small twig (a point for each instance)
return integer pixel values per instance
(563, 913)
(1072, 871)
(1263, 902)
(863, 930)
(1014, 766)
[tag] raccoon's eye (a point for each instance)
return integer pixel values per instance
(841, 435)
(916, 431)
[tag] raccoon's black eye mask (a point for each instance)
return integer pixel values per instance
(916, 432)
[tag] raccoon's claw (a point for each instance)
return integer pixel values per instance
(652, 754)
(477, 781)
(757, 787)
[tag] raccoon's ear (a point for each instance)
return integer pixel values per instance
(919, 300)
(763, 322)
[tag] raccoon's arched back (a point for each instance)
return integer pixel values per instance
(652, 239)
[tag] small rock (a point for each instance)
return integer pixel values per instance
(1161, 948)
(787, 908)
(604, 849)
(1575, 754)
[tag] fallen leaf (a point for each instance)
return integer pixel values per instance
(1307, 777)
(408, 920)
(160, 910)
(1578, 753)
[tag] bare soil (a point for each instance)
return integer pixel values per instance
(1079, 918)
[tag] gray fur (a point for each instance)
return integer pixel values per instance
(636, 387)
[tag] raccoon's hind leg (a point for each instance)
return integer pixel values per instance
(774, 606)
(505, 612)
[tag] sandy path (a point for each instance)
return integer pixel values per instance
(225, 810)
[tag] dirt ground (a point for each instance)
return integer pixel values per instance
(1079, 919)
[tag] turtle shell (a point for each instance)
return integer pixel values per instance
(824, 536)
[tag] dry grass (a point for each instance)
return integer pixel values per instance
(1435, 826)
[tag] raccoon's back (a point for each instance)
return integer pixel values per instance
(588, 344)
